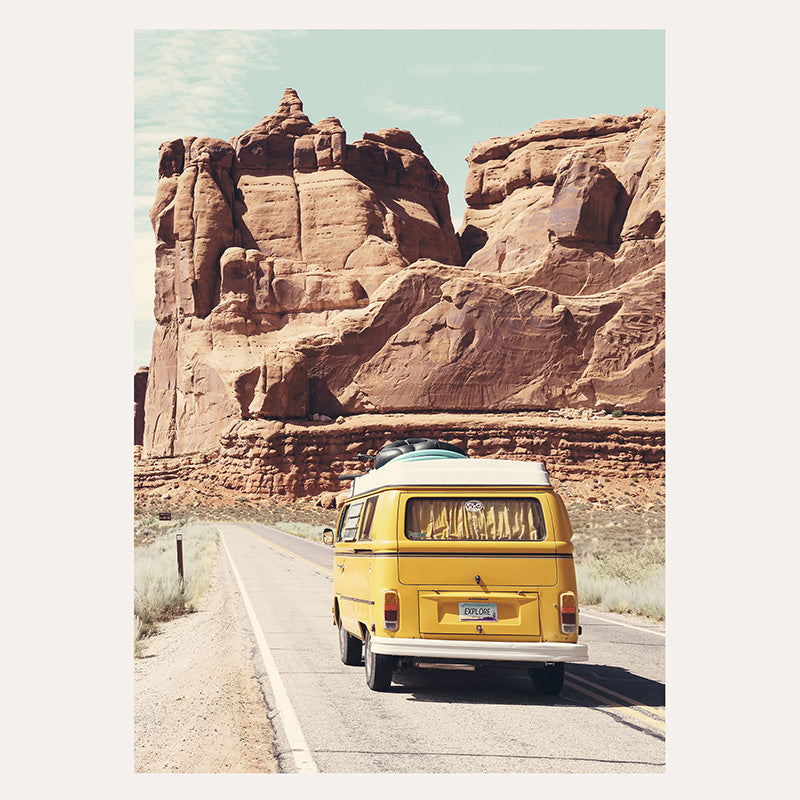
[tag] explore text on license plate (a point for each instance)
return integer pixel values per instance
(479, 611)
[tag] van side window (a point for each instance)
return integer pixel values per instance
(474, 518)
(366, 523)
(348, 527)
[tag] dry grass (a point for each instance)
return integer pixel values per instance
(644, 597)
(304, 530)
(158, 592)
(620, 559)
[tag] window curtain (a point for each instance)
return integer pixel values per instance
(495, 519)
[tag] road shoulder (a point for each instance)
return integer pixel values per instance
(625, 620)
(198, 704)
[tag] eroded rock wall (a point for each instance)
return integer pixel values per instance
(258, 242)
(299, 274)
(576, 207)
(304, 460)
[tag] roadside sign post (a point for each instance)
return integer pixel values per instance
(179, 543)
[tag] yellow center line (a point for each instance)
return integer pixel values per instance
(631, 712)
(658, 712)
(282, 549)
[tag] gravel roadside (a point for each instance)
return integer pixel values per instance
(198, 703)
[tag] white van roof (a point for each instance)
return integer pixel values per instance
(434, 472)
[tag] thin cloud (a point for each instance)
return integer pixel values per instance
(473, 69)
(179, 73)
(403, 112)
(142, 202)
(144, 247)
(193, 83)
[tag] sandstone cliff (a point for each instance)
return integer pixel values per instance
(299, 274)
(304, 459)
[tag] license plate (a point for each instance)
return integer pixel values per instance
(478, 611)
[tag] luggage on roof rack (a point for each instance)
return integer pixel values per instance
(403, 446)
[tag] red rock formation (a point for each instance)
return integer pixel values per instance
(258, 241)
(567, 192)
(264, 459)
(298, 274)
(577, 207)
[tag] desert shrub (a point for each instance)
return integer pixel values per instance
(631, 565)
(138, 632)
(625, 582)
(148, 527)
(158, 595)
(619, 558)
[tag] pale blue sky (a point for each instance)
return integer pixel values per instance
(451, 89)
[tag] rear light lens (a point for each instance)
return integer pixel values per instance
(391, 610)
(568, 609)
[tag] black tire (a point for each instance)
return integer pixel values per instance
(549, 679)
(349, 648)
(377, 668)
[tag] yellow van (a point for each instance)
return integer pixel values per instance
(446, 561)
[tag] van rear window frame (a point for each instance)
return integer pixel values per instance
(367, 517)
(538, 510)
(354, 519)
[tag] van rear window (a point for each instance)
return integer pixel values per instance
(475, 518)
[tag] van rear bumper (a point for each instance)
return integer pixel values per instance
(484, 651)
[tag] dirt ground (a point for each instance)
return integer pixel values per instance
(198, 702)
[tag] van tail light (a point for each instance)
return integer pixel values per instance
(391, 610)
(569, 612)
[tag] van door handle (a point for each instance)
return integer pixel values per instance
(361, 550)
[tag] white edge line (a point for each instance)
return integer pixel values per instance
(623, 624)
(291, 725)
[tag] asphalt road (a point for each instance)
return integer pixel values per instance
(608, 718)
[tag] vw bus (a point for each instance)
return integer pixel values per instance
(446, 561)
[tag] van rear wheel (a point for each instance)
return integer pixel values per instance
(349, 647)
(377, 667)
(548, 679)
